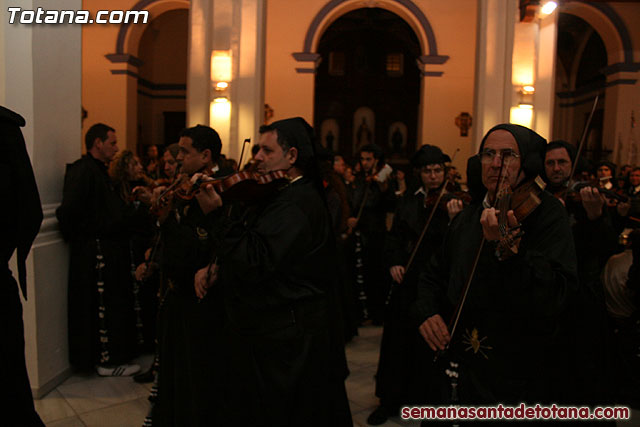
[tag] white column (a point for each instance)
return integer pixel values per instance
(544, 97)
(237, 26)
(247, 98)
(41, 72)
(199, 67)
(621, 100)
(494, 48)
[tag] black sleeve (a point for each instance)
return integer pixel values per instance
(434, 277)
(543, 275)
(396, 239)
(18, 188)
(188, 245)
(72, 211)
(255, 251)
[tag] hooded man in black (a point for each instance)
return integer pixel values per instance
(276, 271)
(505, 338)
(20, 216)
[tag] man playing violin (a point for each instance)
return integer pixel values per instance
(286, 363)
(524, 276)
(595, 241)
(402, 377)
(371, 198)
(188, 331)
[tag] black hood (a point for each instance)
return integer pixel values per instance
(531, 147)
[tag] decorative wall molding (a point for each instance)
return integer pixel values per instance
(621, 67)
(118, 58)
(151, 85)
(431, 55)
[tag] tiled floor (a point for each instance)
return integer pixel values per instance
(120, 402)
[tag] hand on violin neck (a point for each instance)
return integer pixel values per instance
(623, 208)
(208, 199)
(454, 207)
(592, 201)
(491, 224)
(142, 194)
(397, 273)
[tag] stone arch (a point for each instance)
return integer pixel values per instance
(128, 38)
(608, 24)
(405, 9)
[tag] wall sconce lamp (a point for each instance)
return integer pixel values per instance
(220, 108)
(532, 9)
(221, 69)
(548, 8)
(526, 96)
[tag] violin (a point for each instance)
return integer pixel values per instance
(522, 201)
(163, 204)
(573, 192)
(450, 194)
(245, 186)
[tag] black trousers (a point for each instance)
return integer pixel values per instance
(16, 402)
(283, 370)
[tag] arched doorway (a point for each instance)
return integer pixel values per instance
(581, 59)
(367, 87)
(162, 80)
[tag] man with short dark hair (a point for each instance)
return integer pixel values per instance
(286, 363)
(93, 219)
(371, 199)
(402, 377)
(595, 241)
(633, 220)
(189, 332)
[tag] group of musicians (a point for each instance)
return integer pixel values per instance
(499, 287)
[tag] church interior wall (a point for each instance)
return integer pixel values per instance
(288, 92)
(105, 96)
(163, 52)
(443, 97)
(622, 89)
(42, 82)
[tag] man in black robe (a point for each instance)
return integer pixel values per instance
(372, 197)
(402, 377)
(286, 362)
(595, 241)
(506, 338)
(189, 332)
(20, 216)
(93, 219)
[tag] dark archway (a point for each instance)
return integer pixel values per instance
(580, 76)
(162, 78)
(367, 87)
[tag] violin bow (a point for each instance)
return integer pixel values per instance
(213, 263)
(453, 323)
(582, 141)
(244, 144)
(423, 233)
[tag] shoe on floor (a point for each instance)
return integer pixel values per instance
(145, 377)
(118, 371)
(379, 416)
